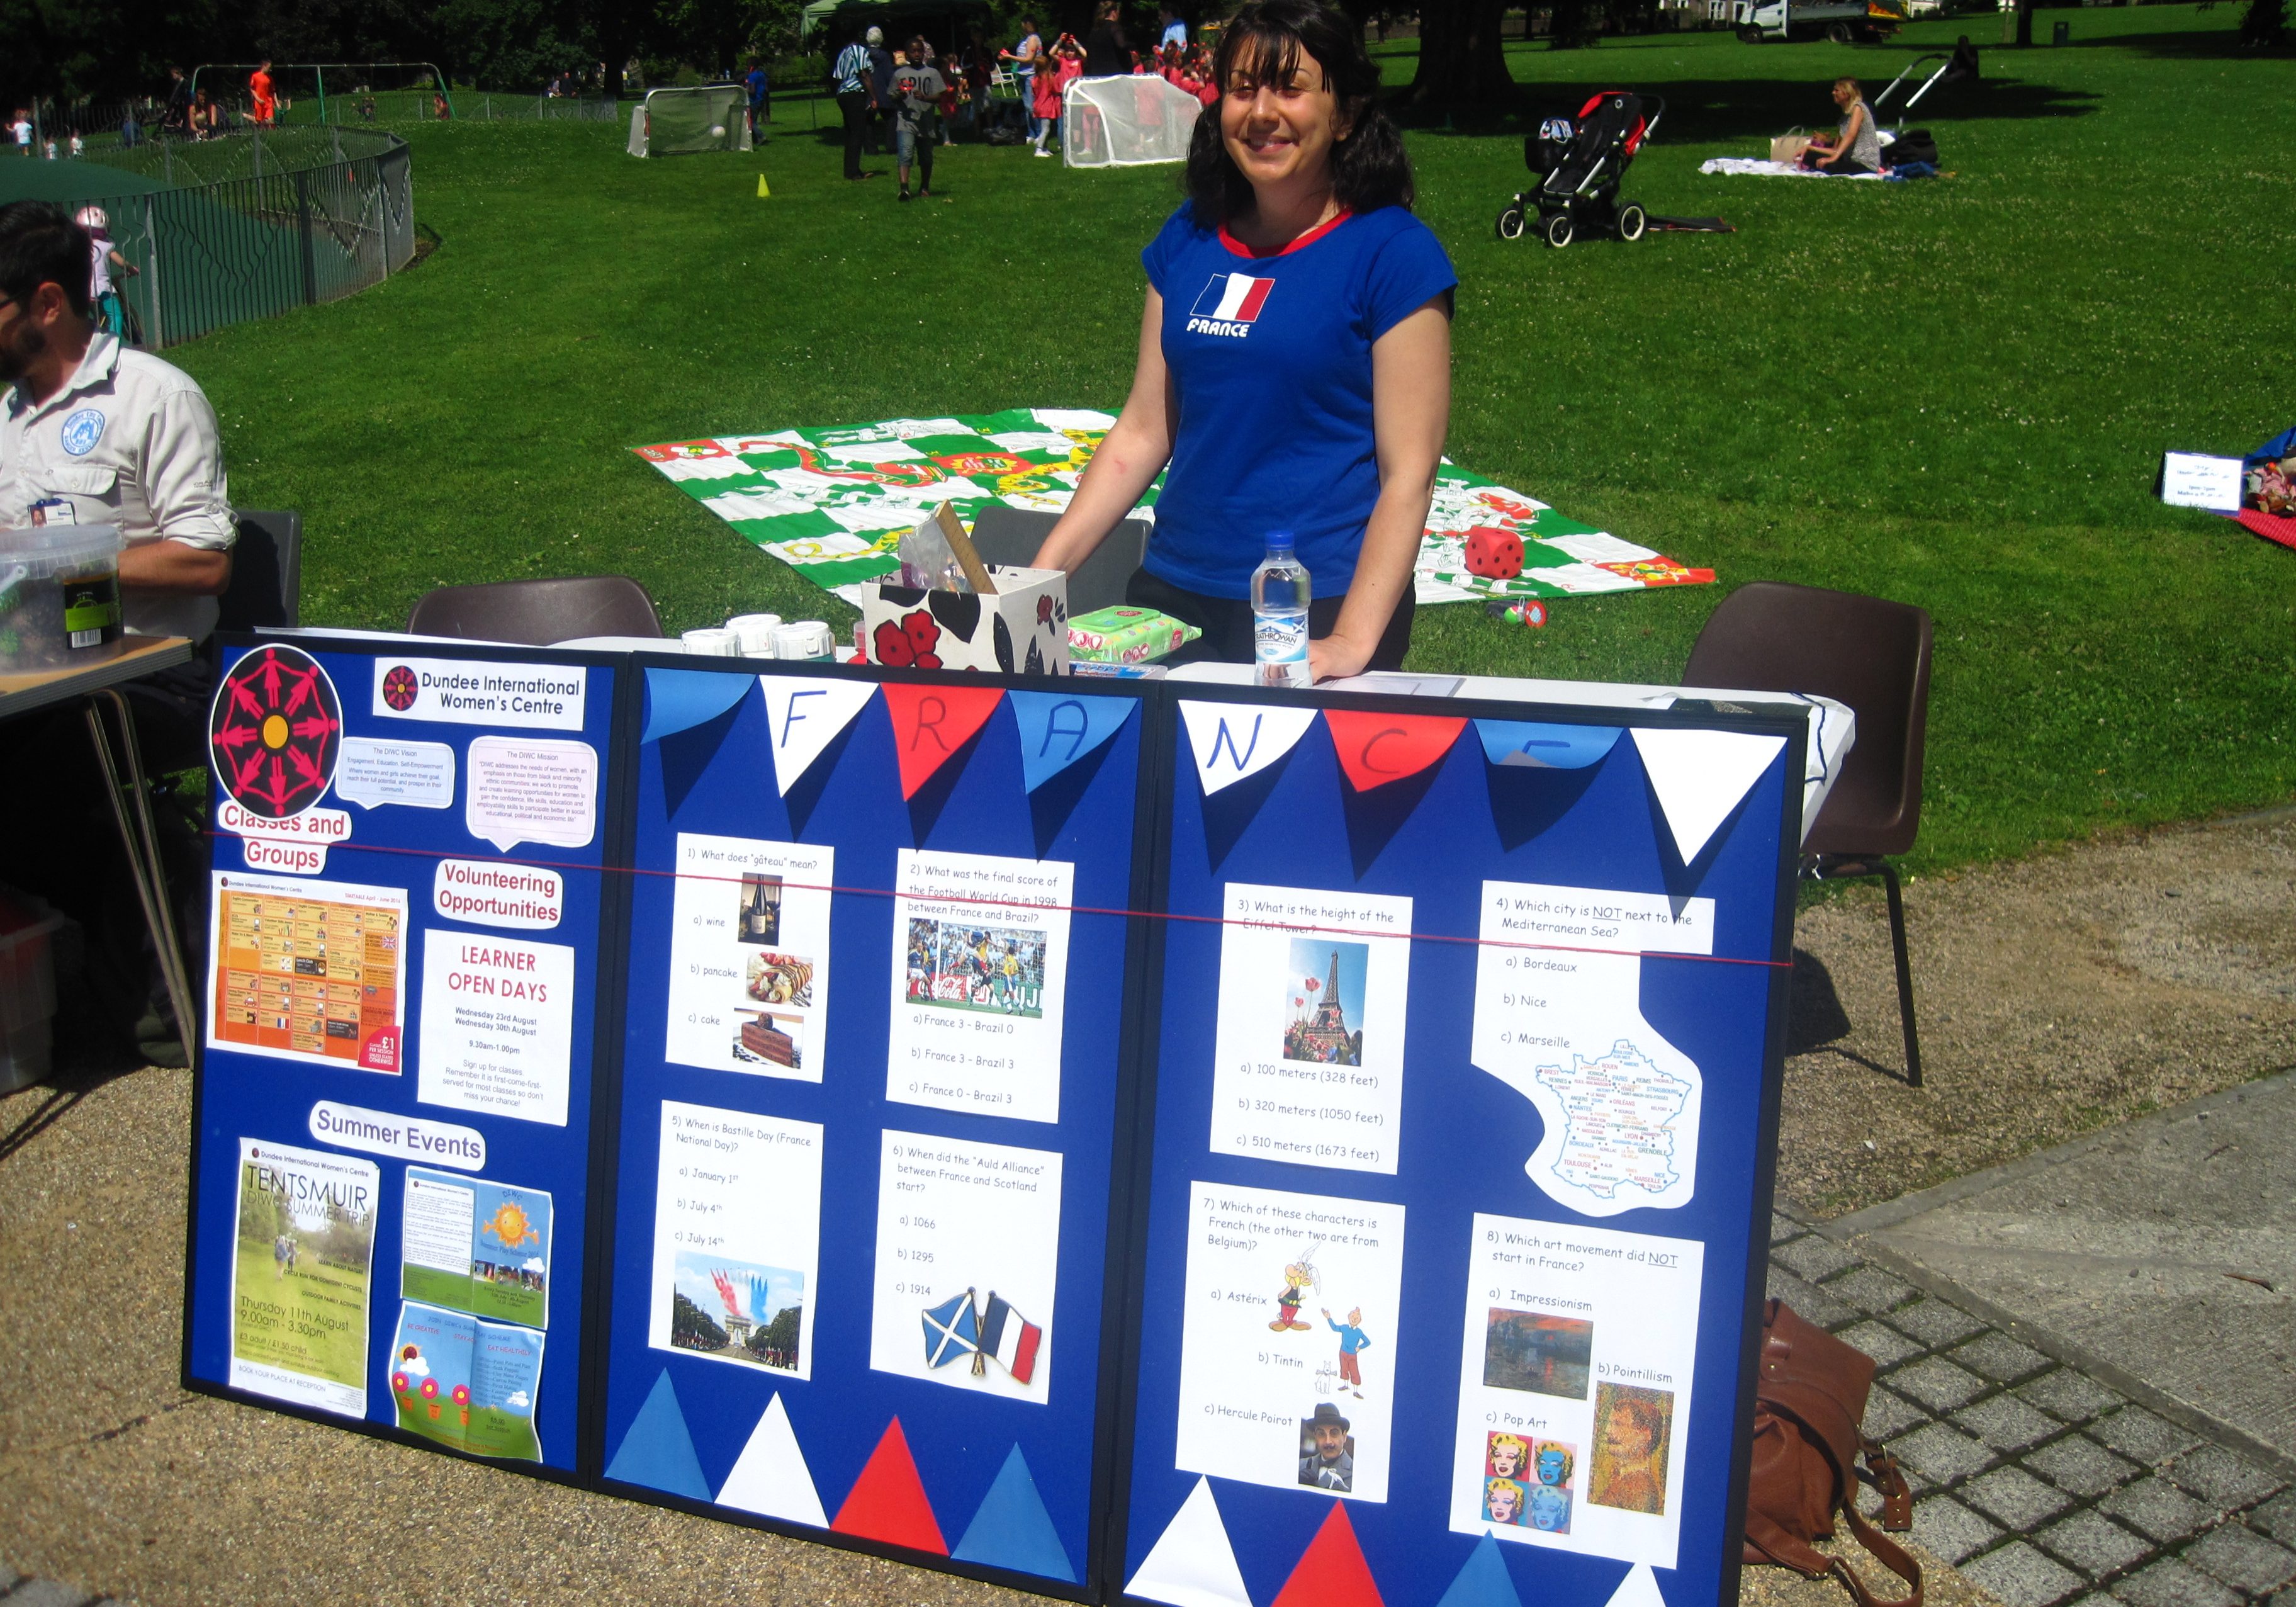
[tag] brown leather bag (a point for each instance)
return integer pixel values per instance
(1810, 1399)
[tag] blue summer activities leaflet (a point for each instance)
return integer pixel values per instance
(467, 1383)
(475, 1246)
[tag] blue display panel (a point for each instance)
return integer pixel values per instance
(873, 1111)
(1465, 1107)
(389, 1222)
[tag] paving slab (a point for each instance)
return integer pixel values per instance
(2160, 1254)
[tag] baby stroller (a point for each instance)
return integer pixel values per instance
(1583, 165)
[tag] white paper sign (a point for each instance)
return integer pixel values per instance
(981, 959)
(1574, 1388)
(1308, 1065)
(737, 1238)
(2189, 480)
(521, 897)
(402, 1137)
(374, 772)
(532, 789)
(749, 956)
(498, 1026)
(470, 691)
(1561, 1024)
(968, 1257)
(1287, 1342)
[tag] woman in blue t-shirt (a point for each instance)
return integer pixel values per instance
(1295, 357)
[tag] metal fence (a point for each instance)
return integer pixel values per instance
(257, 229)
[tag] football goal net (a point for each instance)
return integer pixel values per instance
(673, 122)
(1124, 122)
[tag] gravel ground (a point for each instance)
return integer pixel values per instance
(2054, 995)
(2058, 994)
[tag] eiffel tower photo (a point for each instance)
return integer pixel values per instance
(1322, 1034)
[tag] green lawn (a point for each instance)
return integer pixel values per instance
(1951, 392)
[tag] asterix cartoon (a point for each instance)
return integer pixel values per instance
(1298, 1278)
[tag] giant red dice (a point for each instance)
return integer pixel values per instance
(1494, 554)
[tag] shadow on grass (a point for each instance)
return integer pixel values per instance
(2212, 44)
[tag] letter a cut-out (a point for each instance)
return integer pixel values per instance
(1234, 741)
(1059, 728)
(806, 713)
(1376, 748)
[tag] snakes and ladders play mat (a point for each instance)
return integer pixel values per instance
(832, 504)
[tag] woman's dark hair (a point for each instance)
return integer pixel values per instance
(1264, 45)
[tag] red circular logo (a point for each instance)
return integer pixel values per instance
(398, 688)
(275, 731)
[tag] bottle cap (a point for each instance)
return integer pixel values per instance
(1279, 541)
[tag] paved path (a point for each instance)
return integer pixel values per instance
(2045, 1485)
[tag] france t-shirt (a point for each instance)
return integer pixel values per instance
(1270, 358)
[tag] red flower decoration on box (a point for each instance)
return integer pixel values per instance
(908, 644)
(1044, 610)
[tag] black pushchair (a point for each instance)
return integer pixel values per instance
(1583, 163)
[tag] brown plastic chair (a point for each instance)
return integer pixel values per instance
(537, 612)
(1874, 656)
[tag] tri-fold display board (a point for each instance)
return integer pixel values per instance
(1157, 1140)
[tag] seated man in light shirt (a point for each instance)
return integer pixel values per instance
(93, 432)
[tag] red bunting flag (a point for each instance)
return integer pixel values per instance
(1376, 748)
(1332, 1572)
(932, 723)
(887, 1502)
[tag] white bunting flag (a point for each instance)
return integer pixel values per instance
(806, 713)
(1233, 741)
(1700, 776)
(1191, 1563)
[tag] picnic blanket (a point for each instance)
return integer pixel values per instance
(832, 504)
(1762, 167)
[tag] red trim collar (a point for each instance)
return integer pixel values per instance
(1309, 238)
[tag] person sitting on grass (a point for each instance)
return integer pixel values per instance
(1857, 147)
(916, 90)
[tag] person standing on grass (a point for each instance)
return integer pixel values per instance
(880, 92)
(262, 104)
(1026, 57)
(1106, 53)
(760, 88)
(1044, 108)
(917, 86)
(851, 74)
(1294, 363)
(1176, 31)
(178, 115)
(21, 130)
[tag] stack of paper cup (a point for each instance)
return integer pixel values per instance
(755, 632)
(805, 639)
(712, 642)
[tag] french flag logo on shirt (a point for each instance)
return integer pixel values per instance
(1229, 304)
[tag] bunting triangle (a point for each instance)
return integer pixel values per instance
(1013, 1529)
(1058, 728)
(1639, 1588)
(1376, 748)
(1535, 745)
(678, 700)
(770, 1478)
(932, 723)
(657, 1451)
(1332, 1572)
(887, 1502)
(1483, 1582)
(1700, 775)
(805, 714)
(1191, 1563)
(1231, 740)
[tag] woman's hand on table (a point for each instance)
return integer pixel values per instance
(1336, 657)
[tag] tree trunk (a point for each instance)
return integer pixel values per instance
(1462, 71)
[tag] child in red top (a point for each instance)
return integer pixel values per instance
(1047, 87)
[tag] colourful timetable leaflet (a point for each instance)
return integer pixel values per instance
(309, 970)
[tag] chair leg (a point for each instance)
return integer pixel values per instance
(1888, 876)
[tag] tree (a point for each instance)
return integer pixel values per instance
(2263, 23)
(1461, 69)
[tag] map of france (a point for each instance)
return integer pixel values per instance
(1617, 1110)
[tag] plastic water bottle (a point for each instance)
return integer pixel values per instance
(1279, 616)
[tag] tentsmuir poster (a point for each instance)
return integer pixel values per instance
(302, 1273)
